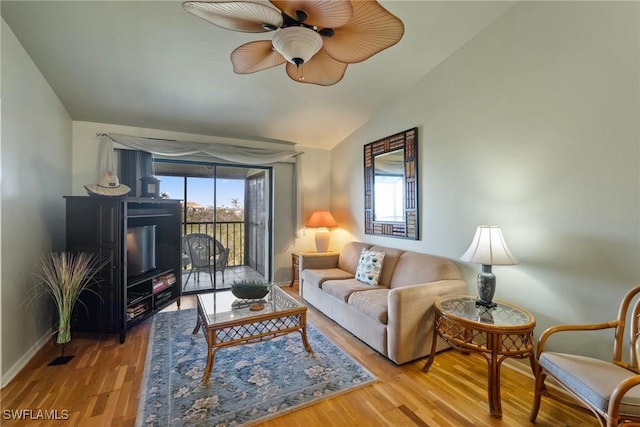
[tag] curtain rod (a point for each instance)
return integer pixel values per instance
(175, 140)
(145, 137)
(171, 140)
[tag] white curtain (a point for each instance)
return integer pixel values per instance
(214, 152)
(226, 152)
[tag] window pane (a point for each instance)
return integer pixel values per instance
(172, 187)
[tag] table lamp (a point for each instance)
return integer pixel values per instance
(488, 248)
(322, 220)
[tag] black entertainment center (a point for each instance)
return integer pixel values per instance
(141, 239)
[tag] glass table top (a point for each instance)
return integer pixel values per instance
(464, 307)
(223, 306)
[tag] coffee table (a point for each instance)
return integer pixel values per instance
(227, 321)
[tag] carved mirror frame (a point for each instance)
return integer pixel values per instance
(407, 229)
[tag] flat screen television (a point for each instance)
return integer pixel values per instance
(141, 250)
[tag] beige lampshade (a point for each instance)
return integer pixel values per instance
(489, 248)
(321, 219)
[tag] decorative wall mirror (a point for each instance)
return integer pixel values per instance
(391, 186)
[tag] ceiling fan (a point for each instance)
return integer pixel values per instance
(316, 39)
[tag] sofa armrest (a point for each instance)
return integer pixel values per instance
(313, 261)
(411, 314)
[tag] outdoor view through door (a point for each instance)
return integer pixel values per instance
(225, 211)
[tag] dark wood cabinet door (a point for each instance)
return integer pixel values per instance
(95, 226)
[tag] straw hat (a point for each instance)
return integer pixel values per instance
(108, 185)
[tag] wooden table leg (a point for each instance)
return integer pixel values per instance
(434, 341)
(305, 342)
(197, 328)
(294, 269)
(211, 354)
(495, 403)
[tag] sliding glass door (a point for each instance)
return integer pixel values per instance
(228, 207)
(256, 220)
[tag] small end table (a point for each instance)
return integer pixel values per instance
(497, 333)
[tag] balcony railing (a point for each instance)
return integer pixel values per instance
(229, 233)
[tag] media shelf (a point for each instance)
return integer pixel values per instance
(127, 293)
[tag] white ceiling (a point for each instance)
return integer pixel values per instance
(150, 64)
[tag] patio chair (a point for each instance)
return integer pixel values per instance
(205, 254)
(607, 389)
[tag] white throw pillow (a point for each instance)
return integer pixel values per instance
(369, 267)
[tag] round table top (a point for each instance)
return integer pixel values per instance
(502, 316)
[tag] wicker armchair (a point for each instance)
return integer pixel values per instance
(205, 254)
(605, 388)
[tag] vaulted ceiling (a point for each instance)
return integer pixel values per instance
(150, 64)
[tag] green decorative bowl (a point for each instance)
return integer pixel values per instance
(250, 289)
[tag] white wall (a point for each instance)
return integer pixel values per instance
(35, 173)
(315, 182)
(533, 126)
(316, 194)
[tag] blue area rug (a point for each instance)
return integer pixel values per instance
(249, 383)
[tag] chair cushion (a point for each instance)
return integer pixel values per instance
(593, 379)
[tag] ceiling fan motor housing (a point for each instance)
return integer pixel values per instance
(297, 44)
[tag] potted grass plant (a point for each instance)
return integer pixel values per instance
(64, 276)
(250, 289)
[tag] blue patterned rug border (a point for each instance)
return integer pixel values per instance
(366, 378)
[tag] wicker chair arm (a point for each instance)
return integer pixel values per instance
(572, 328)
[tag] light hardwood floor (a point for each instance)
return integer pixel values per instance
(101, 385)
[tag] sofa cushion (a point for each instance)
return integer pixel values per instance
(341, 289)
(370, 267)
(415, 268)
(318, 277)
(391, 257)
(350, 255)
(373, 303)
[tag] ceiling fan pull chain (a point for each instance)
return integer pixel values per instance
(300, 72)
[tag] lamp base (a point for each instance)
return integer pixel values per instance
(486, 287)
(489, 304)
(322, 240)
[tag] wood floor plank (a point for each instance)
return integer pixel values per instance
(101, 387)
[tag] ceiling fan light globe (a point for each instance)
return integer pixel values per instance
(297, 44)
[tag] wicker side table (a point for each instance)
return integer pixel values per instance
(497, 333)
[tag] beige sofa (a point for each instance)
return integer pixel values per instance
(395, 318)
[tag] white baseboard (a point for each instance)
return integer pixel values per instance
(22, 362)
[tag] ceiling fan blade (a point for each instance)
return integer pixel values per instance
(321, 13)
(255, 56)
(236, 15)
(320, 70)
(371, 30)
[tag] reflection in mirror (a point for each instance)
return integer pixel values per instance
(388, 186)
(391, 186)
